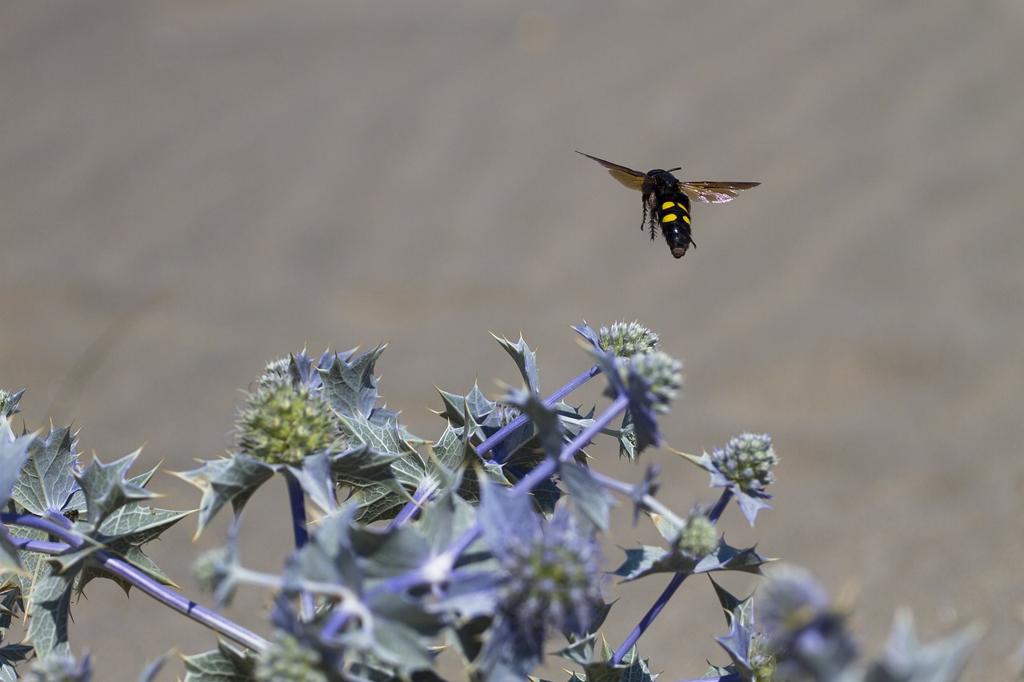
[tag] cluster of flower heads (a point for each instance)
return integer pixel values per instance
(396, 589)
(283, 422)
(650, 379)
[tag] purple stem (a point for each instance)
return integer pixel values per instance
(163, 594)
(41, 546)
(666, 595)
(538, 475)
(297, 504)
(505, 431)
(411, 507)
(414, 505)
(335, 623)
(424, 490)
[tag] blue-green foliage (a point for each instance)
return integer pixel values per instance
(486, 539)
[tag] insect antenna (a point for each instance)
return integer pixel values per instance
(674, 169)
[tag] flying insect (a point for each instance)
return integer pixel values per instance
(667, 200)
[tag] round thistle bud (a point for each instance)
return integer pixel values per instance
(287, 659)
(281, 424)
(806, 634)
(209, 569)
(662, 373)
(698, 537)
(747, 460)
(761, 660)
(626, 339)
(553, 577)
(789, 600)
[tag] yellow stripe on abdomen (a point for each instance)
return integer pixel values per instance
(671, 218)
(667, 204)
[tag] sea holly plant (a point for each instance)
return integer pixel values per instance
(477, 554)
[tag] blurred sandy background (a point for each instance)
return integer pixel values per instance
(189, 189)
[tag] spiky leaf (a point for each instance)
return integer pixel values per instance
(105, 488)
(525, 359)
(231, 479)
(14, 452)
(350, 386)
(48, 477)
(907, 660)
(223, 664)
(545, 421)
(10, 656)
(315, 478)
(475, 403)
(647, 560)
(351, 390)
(9, 402)
(362, 466)
(590, 496)
(124, 533)
(48, 609)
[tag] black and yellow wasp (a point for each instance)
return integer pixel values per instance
(667, 199)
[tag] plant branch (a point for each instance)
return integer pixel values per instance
(158, 591)
(426, 488)
(514, 425)
(424, 492)
(648, 501)
(538, 475)
(667, 593)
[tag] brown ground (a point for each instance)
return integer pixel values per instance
(191, 188)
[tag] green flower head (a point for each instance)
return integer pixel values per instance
(283, 423)
(661, 373)
(287, 659)
(747, 460)
(698, 537)
(626, 339)
(211, 569)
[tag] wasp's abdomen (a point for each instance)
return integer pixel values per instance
(673, 216)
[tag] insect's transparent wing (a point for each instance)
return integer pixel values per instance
(627, 176)
(714, 192)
